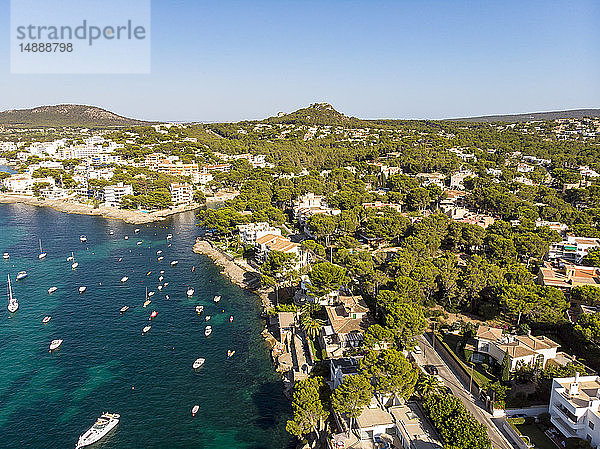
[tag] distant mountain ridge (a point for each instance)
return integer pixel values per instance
(73, 115)
(551, 115)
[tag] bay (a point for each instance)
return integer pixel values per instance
(105, 363)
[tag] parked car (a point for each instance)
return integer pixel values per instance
(431, 370)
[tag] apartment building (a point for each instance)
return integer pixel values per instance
(181, 193)
(112, 195)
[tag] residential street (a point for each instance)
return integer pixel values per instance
(473, 405)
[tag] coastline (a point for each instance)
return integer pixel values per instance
(71, 207)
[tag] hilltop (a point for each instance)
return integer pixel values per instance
(316, 114)
(552, 115)
(72, 115)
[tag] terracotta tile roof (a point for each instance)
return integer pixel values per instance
(489, 333)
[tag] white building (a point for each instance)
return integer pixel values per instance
(572, 249)
(310, 204)
(181, 193)
(23, 183)
(574, 407)
(250, 232)
(113, 195)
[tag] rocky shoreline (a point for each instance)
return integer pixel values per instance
(72, 207)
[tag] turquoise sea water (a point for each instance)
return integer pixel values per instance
(105, 363)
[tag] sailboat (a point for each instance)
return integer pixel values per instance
(75, 264)
(147, 301)
(13, 304)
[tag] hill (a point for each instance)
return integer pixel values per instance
(72, 115)
(553, 115)
(315, 114)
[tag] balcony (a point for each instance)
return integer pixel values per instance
(563, 427)
(579, 424)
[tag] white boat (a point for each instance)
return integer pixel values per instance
(199, 310)
(162, 271)
(136, 230)
(111, 232)
(52, 290)
(230, 354)
(82, 289)
(146, 329)
(55, 344)
(147, 301)
(165, 284)
(207, 318)
(150, 294)
(124, 309)
(160, 258)
(70, 258)
(190, 291)
(195, 409)
(75, 264)
(160, 278)
(46, 319)
(21, 275)
(104, 424)
(217, 298)
(42, 253)
(159, 287)
(139, 243)
(82, 238)
(6, 256)
(159, 252)
(207, 331)
(126, 237)
(13, 304)
(198, 363)
(153, 315)
(169, 236)
(124, 279)
(174, 262)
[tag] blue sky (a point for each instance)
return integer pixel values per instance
(233, 60)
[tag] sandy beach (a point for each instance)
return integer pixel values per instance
(72, 207)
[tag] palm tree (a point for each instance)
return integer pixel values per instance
(311, 326)
(428, 385)
(309, 308)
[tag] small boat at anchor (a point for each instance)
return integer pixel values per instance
(46, 319)
(146, 329)
(169, 236)
(150, 294)
(198, 362)
(174, 262)
(159, 252)
(126, 237)
(195, 409)
(55, 344)
(230, 353)
(190, 292)
(207, 318)
(199, 310)
(21, 275)
(124, 309)
(103, 425)
(165, 284)
(82, 289)
(6, 256)
(52, 290)
(217, 298)
(231, 318)
(153, 315)
(82, 238)
(139, 243)
(160, 278)
(207, 331)
(159, 287)
(160, 258)
(136, 230)
(124, 279)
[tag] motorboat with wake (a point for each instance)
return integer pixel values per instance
(124, 309)
(195, 409)
(55, 344)
(13, 304)
(21, 275)
(198, 362)
(103, 425)
(146, 329)
(42, 254)
(52, 290)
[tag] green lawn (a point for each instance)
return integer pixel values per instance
(536, 435)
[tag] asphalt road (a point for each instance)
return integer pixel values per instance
(473, 405)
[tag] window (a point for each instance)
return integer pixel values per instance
(591, 425)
